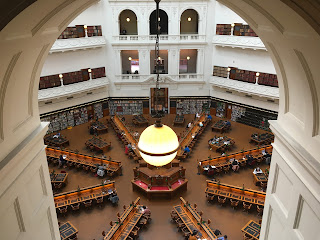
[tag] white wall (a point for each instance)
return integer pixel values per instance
(224, 15)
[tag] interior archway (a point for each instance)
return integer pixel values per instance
(128, 23)
(163, 18)
(189, 22)
(288, 29)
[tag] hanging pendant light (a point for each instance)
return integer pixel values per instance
(158, 143)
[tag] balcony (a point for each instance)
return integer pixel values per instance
(238, 42)
(146, 81)
(72, 44)
(245, 87)
(150, 39)
(72, 89)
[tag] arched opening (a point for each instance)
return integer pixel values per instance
(128, 23)
(27, 39)
(163, 18)
(189, 22)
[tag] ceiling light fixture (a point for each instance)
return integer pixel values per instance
(129, 58)
(128, 19)
(188, 58)
(189, 19)
(158, 143)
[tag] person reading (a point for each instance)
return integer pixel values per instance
(186, 149)
(257, 170)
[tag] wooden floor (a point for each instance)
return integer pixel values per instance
(91, 223)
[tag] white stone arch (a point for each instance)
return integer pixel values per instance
(120, 10)
(294, 48)
(150, 10)
(190, 8)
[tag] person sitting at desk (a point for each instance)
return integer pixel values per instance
(189, 125)
(257, 170)
(56, 135)
(227, 123)
(129, 147)
(250, 160)
(101, 171)
(268, 158)
(136, 134)
(145, 210)
(209, 117)
(200, 124)
(235, 165)
(186, 149)
(114, 199)
(225, 237)
(91, 130)
(62, 160)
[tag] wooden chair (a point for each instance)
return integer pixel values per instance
(222, 200)
(75, 237)
(63, 210)
(259, 160)
(247, 237)
(263, 186)
(180, 223)
(135, 232)
(87, 204)
(246, 207)
(210, 197)
(185, 232)
(69, 164)
(86, 167)
(174, 215)
(75, 206)
(57, 186)
(93, 169)
(259, 210)
(99, 201)
(226, 169)
(218, 170)
(234, 203)
(243, 163)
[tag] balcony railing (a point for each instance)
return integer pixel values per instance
(71, 89)
(172, 39)
(238, 42)
(245, 87)
(71, 44)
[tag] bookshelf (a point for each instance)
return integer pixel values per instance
(192, 106)
(125, 107)
(98, 110)
(162, 100)
(268, 79)
(79, 32)
(242, 75)
(72, 77)
(223, 29)
(237, 112)
(93, 31)
(221, 109)
(98, 72)
(243, 30)
(49, 81)
(220, 71)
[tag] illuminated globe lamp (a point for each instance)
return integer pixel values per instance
(158, 144)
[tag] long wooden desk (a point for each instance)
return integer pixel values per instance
(124, 225)
(179, 119)
(222, 161)
(252, 229)
(84, 194)
(127, 134)
(58, 177)
(61, 141)
(67, 230)
(140, 120)
(186, 140)
(99, 126)
(193, 221)
(259, 178)
(235, 193)
(98, 144)
(219, 144)
(260, 139)
(85, 160)
(219, 126)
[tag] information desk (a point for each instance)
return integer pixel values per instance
(67, 230)
(85, 160)
(125, 223)
(84, 194)
(98, 144)
(221, 143)
(58, 177)
(235, 193)
(99, 126)
(55, 141)
(223, 161)
(219, 126)
(140, 120)
(179, 120)
(193, 221)
(261, 139)
(259, 178)
(127, 134)
(252, 229)
(187, 138)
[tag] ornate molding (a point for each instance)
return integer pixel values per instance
(72, 44)
(238, 42)
(71, 89)
(244, 87)
(131, 40)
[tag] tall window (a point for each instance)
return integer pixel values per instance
(128, 23)
(189, 22)
(130, 62)
(163, 19)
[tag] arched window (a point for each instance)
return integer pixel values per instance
(189, 22)
(128, 23)
(163, 17)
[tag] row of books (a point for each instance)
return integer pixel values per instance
(78, 31)
(238, 30)
(220, 71)
(192, 106)
(237, 112)
(223, 29)
(125, 107)
(71, 77)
